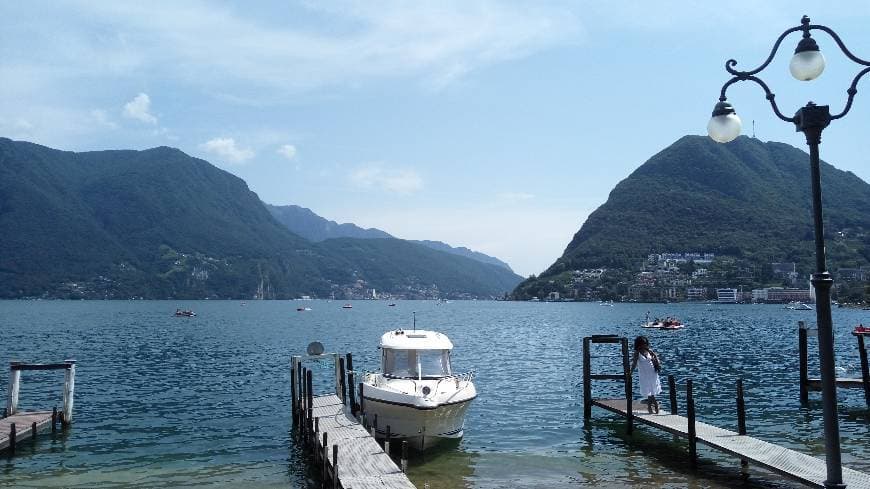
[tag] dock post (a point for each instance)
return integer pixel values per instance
(802, 347)
(342, 380)
(316, 429)
(54, 420)
(69, 385)
(303, 411)
(387, 441)
(629, 392)
(865, 370)
(325, 458)
(587, 382)
(690, 413)
(360, 406)
(350, 390)
(375, 427)
(310, 404)
(404, 456)
(294, 401)
(741, 417)
(12, 439)
(14, 386)
(33, 431)
(672, 387)
(335, 483)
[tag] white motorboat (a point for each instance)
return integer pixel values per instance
(416, 394)
(798, 306)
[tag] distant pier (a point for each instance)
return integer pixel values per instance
(794, 465)
(808, 383)
(17, 426)
(340, 443)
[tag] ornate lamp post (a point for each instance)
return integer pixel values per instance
(807, 64)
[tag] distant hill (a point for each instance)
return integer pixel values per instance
(313, 227)
(747, 199)
(463, 251)
(161, 224)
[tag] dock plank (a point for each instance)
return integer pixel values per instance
(23, 423)
(362, 463)
(789, 463)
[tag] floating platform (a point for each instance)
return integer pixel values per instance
(789, 463)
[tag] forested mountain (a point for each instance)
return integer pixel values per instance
(313, 227)
(159, 223)
(746, 199)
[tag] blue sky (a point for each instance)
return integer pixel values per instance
(493, 125)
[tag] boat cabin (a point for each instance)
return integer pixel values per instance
(420, 355)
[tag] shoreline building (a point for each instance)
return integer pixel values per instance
(727, 296)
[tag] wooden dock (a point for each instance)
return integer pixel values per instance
(808, 383)
(17, 426)
(789, 463)
(362, 462)
(23, 426)
(794, 465)
(340, 444)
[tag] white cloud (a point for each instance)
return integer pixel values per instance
(436, 42)
(140, 109)
(226, 149)
(287, 151)
(101, 118)
(400, 181)
(516, 196)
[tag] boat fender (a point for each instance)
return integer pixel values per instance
(426, 390)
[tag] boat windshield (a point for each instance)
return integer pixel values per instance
(416, 364)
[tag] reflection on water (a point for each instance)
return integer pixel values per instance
(169, 402)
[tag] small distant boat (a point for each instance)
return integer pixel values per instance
(669, 323)
(606, 303)
(300, 309)
(244, 303)
(187, 313)
(798, 306)
(392, 304)
(861, 330)
(347, 306)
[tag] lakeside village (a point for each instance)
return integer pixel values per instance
(705, 277)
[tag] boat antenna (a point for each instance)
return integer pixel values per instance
(415, 320)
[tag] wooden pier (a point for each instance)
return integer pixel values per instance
(340, 443)
(17, 426)
(808, 383)
(794, 465)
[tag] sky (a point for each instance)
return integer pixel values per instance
(494, 125)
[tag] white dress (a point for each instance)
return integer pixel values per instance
(650, 385)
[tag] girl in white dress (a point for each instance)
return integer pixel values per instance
(648, 367)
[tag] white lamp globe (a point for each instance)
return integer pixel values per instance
(724, 126)
(807, 65)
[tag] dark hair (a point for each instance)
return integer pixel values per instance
(641, 342)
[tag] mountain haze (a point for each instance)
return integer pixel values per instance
(313, 227)
(159, 223)
(746, 199)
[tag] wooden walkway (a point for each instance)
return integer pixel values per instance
(27, 425)
(362, 464)
(789, 463)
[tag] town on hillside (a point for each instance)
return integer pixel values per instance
(680, 277)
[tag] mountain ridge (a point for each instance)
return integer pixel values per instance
(158, 223)
(746, 199)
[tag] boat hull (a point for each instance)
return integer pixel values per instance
(422, 427)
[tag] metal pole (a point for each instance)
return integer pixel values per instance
(804, 369)
(587, 383)
(811, 120)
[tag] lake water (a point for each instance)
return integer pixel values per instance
(162, 401)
